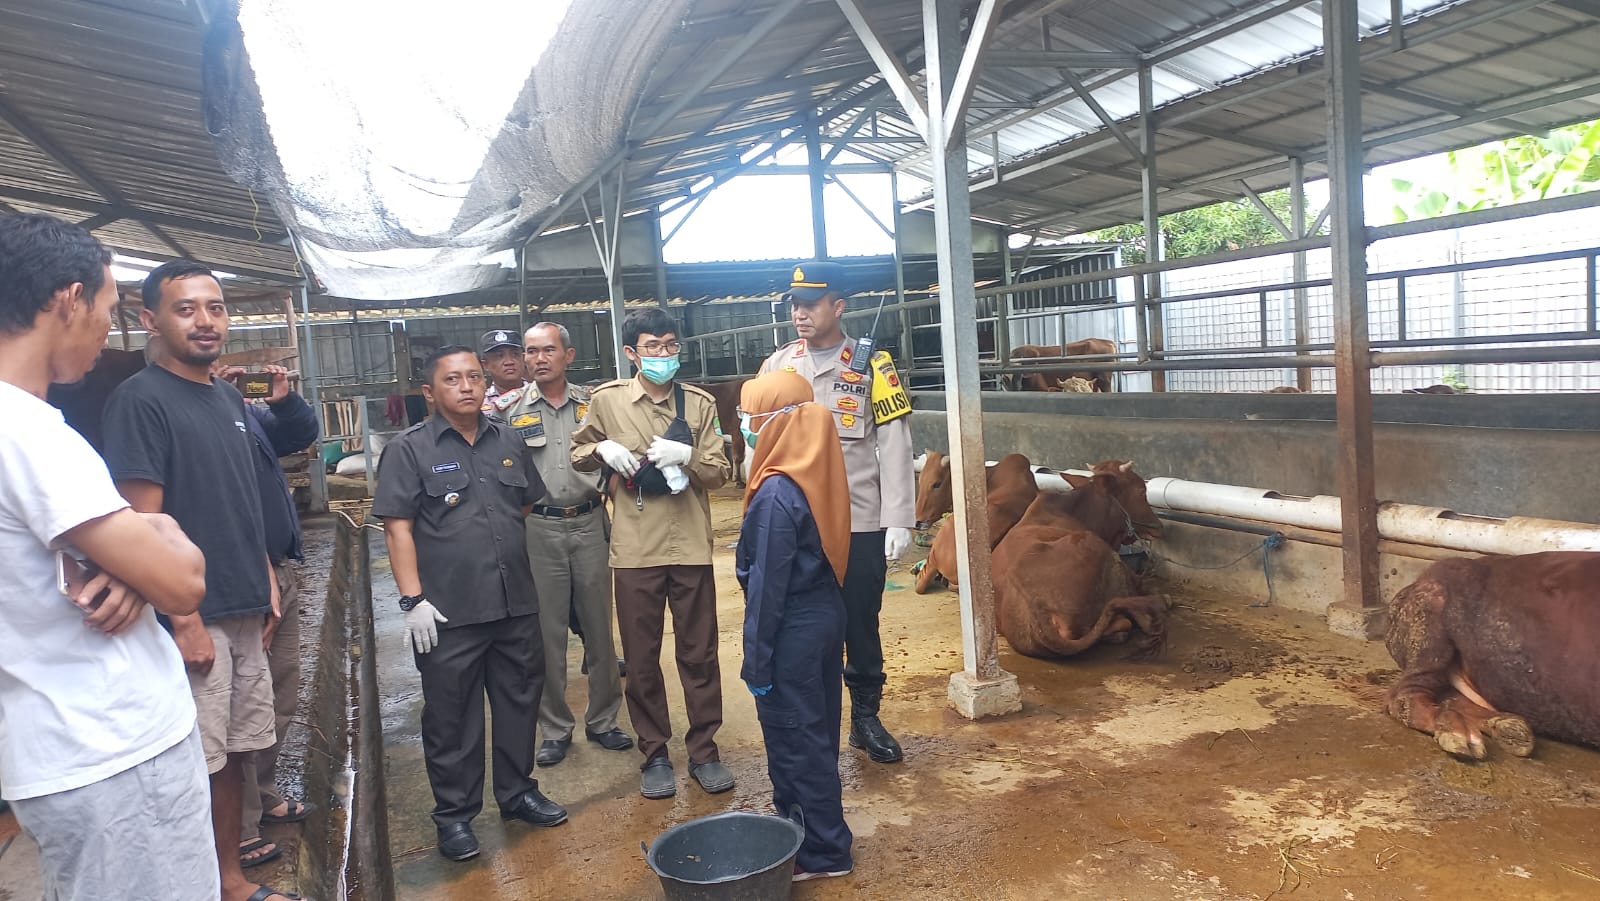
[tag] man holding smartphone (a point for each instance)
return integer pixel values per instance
(99, 749)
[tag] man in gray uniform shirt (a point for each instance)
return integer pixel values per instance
(567, 548)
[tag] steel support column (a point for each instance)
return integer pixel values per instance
(606, 230)
(1297, 225)
(660, 247)
(1155, 329)
(522, 289)
(816, 172)
(312, 392)
(1359, 612)
(959, 335)
(1002, 303)
(908, 354)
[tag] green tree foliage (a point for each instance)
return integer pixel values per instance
(1209, 229)
(1530, 167)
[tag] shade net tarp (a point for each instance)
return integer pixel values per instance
(408, 144)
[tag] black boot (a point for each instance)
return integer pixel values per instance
(866, 730)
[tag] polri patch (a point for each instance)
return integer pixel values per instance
(452, 466)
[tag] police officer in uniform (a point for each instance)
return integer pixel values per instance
(453, 493)
(568, 547)
(503, 367)
(878, 465)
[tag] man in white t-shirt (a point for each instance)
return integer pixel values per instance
(99, 753)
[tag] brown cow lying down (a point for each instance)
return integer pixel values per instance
(1050, 379)
(1059, 585)
(1499, 648)
(1011, 489)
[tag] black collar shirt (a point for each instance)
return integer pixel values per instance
(465, 502)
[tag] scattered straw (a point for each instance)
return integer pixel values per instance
(1218, 737)
(1580, 871)
(1291, 860)
(1134, 838)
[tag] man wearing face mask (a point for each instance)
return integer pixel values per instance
(658, 444)
(878, 466)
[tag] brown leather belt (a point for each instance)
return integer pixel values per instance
(566, 512)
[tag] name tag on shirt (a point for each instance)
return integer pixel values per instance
(452, 466)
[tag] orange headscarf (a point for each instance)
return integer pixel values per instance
(797, 438)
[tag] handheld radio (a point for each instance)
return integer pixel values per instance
(861, 359)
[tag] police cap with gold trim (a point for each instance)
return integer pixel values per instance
(813, 280)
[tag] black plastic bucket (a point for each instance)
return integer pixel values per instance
(733, 856)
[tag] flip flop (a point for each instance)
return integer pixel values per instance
(267, 891)
(254, 845)
(298, 810)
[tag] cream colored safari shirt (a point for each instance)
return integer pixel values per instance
(659, 529)
(877, 458)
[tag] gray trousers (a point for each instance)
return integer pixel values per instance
(260, 770)
(571, 569)
(143, 833)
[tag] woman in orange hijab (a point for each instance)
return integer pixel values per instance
(792, 552)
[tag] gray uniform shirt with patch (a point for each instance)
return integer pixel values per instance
(547, 431)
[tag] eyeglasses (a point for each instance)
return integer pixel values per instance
(657, 349)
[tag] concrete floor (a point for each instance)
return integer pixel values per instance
(1250, 761)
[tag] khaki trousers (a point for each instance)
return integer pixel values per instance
(570, 570)
(260, 769)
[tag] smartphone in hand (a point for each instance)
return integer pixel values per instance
(72, 574)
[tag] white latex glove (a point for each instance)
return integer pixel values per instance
(669, 453)
(617, 457)
(422, 627)
(677, 479)
(896, 541)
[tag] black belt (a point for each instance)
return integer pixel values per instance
(567, 512)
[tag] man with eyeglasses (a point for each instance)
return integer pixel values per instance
(657, 444)
(567, 547)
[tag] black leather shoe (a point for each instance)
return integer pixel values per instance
(611, 739)
(552, 752)
(868, 734)
(533, 807)
(656, 780)
(457, 842)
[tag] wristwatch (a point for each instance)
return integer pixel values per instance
(409, 602)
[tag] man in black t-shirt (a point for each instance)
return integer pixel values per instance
(177, 442)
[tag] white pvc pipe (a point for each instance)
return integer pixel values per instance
(1433, 526)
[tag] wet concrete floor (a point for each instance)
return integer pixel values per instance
(1250, 761)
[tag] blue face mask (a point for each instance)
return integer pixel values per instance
(660, 370)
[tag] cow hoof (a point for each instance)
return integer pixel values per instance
(1512, 733)
(1460, 744)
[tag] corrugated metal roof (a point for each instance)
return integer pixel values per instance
(100, 120)
(1241, 73)
(102, 105)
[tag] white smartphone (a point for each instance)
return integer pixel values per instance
(71, 574)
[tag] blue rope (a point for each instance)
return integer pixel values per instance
(1268, 544)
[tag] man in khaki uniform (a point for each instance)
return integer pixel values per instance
(567, 548)
(657, 471)
(877, 461)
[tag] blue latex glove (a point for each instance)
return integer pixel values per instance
(759, 690)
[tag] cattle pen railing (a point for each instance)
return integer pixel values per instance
(1150, 352)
